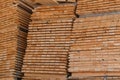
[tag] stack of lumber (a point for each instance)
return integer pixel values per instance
(97, 78)
(96, 47)
(48, 43)
(97, 6)
(14, 19)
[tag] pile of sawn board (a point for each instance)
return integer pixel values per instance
(95, 35)
(48, 43)
(96, 47)
(14, 19)
(97, 6)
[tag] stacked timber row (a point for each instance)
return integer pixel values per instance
(48, 43)
(96, 47)
(14, 19)
(97, 6)
(95, 35)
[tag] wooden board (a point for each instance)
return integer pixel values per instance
(43, 2)
(48, 2)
